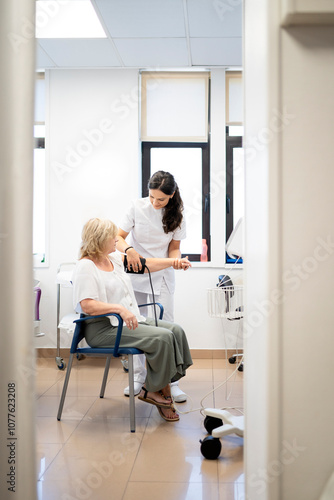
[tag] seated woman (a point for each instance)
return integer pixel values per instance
(100, 286)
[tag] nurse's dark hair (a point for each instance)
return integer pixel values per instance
(173, 211)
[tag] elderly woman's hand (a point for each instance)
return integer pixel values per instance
(129, 319)
(133, 258)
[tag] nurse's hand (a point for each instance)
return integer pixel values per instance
(134, 263)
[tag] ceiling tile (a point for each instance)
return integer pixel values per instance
(42, 59)
(149, 18)
(215, 18)
(216, 51)
(152, 33)
(81, 53)
(153, 52)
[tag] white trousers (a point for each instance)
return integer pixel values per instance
(167, 300)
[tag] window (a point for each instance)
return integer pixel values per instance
(189, 163)
(175, 138)
(234, 182)
(39, 194)
(234, 154)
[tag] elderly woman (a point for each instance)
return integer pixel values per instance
(102, 286)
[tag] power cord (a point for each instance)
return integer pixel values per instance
(153, 297)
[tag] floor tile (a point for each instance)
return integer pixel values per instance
(230, 462)
(116, 407)
(91, 452)
(49, 430)
(171, 490)
(76, 388)
(232, 491)
(178, 453)
(45, 454)
(74, 407)
(201, 364)
(94, 487)
(202, 375)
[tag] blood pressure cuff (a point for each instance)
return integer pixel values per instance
(140, 271)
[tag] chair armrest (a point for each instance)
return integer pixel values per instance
(119, 328)
(155, 304)
(83, 317)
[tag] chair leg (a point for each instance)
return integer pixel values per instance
(63, 394)
(105, 376)
(131, 395)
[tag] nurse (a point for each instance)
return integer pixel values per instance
(154, 227)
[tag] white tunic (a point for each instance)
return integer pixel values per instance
(113, 287)
(144, 223)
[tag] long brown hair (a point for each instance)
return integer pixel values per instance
(173, 211)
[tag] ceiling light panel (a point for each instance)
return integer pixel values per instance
(71, 19)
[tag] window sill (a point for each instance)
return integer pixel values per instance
(216, 265)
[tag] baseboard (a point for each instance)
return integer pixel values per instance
(213, 353)
(50, 352)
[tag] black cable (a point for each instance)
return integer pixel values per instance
(144, 266)
(154, 306)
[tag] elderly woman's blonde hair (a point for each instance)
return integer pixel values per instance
(94, 236)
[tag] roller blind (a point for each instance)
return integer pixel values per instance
(174, 106)
(234, 98)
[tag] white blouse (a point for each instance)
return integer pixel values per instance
(144, 223)
(113, 287)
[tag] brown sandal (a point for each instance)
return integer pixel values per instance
(168, 419)
(153, 401)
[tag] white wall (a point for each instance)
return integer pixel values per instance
(307, 59)
(289, 73)
(97, 174)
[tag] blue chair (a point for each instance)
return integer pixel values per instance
(115, 351)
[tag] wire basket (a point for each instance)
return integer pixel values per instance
(226, 302)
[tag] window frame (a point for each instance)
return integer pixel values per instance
(146, 147)
(40, 142)
(231, 142)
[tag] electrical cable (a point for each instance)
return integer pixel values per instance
(202, 407)
(153, 298)
(144, 266)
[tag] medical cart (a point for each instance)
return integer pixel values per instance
(224, 301)
(64, 280)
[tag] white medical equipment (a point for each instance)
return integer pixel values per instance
(225, 301)
(64, 280)
(37, 319)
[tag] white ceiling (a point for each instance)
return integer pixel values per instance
(153, 34)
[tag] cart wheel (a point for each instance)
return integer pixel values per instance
(211, 447)
(60, 363)
(241, 368)
(80, 357)
(211, 423)
(232, 360)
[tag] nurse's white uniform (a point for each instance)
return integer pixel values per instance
(146, 235)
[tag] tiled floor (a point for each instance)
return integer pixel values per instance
(91, 454)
